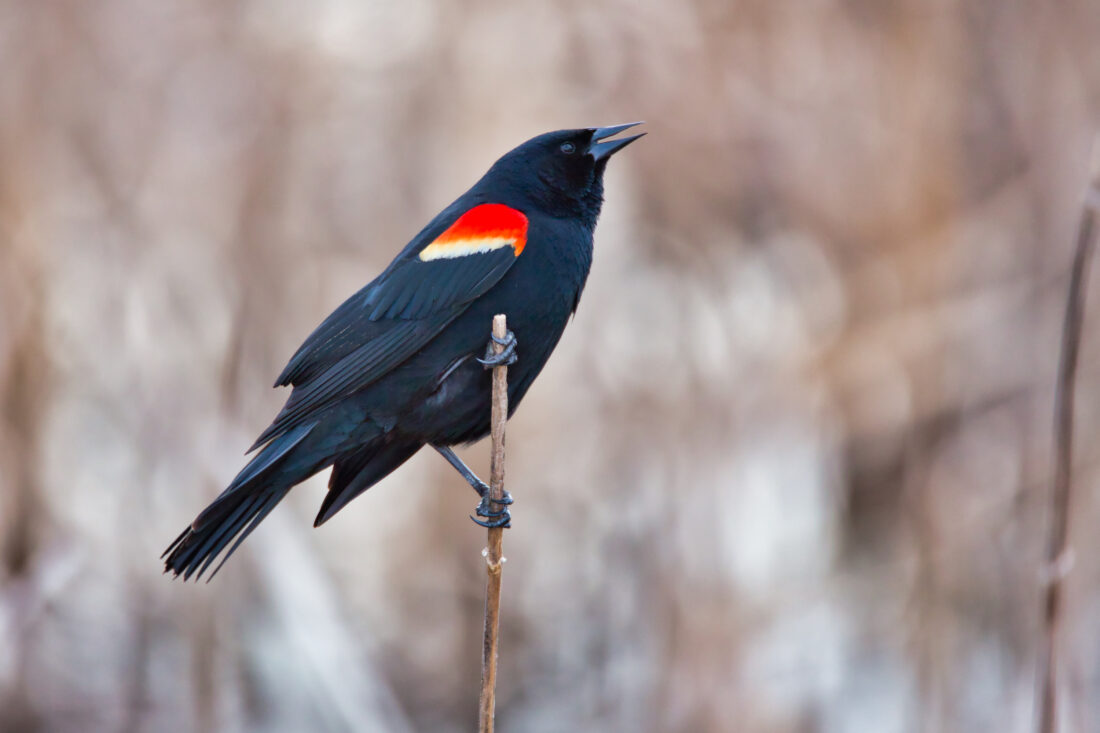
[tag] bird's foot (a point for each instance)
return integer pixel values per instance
(494, 518)
(507, 357)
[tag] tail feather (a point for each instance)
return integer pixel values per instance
(235, 513)
(259, 513)
(357, 471)
(199, 547)
(224, 530)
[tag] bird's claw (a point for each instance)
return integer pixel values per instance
(484, 510)
(504, 522)
(507, 357)
(498, 518)
(504, 500)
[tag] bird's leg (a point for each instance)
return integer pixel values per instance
(499, 518)
(507, 357)
(478, 485)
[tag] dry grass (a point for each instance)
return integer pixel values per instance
(800, 485)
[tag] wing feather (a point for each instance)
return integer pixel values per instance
(355, 371)
(382, 325)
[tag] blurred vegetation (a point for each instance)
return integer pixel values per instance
(787, 471)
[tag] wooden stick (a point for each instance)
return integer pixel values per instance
(1059, 555)
(494, 560)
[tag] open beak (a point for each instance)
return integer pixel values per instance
(601, 148)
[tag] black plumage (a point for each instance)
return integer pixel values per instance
(395, 367)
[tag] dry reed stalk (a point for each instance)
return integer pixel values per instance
(494, 559)
(1059, 555)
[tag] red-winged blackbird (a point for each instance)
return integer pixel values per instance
(397, 366)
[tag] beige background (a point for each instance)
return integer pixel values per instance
(787, 470)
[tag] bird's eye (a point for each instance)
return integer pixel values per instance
(568, 148)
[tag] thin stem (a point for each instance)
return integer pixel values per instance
(1059, 555)
(493, 554)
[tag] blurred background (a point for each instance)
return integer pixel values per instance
(787, 471)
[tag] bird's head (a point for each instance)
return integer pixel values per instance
(562, 171)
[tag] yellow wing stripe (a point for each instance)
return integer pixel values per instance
(462, 247)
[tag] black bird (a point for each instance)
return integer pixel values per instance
(399, 365)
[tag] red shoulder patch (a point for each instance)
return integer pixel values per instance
(483, 228)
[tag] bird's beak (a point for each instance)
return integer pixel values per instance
(601, 150)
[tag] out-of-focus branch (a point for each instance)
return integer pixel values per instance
(1059, 555)
(493, 555)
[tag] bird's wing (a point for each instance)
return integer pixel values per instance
(393, 317)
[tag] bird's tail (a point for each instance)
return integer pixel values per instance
(249, 498)
(356, 471)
